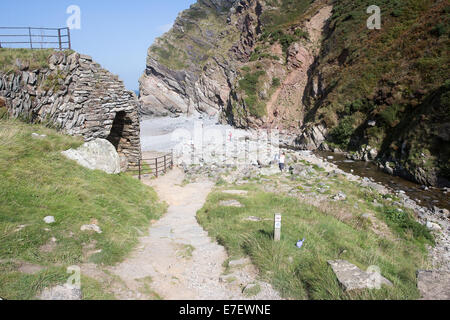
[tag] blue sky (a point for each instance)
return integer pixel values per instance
(115, 33)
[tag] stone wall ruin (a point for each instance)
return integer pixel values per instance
(78, 97)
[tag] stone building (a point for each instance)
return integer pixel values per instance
(78, 97)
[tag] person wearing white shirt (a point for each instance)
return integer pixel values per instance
(282, 161)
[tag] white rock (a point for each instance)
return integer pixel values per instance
(38, 136)
(98, 154)
(236, 192)
(65, 292)
(91, 227)
(433, 226)
(49, 220)
(353, 278)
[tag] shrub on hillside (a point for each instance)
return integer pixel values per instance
(342, 133)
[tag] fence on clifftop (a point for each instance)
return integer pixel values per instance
(35, 38)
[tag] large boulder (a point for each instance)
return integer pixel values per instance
(352, 278)
(98, 154)
(311, 138)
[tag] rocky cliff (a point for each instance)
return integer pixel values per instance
(231, 58)
(313, 70)
(73, 93)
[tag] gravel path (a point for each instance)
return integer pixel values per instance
(179, 257)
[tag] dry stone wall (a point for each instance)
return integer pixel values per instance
(80, 98)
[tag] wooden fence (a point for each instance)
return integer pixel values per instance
(35, 38)
(153, 166)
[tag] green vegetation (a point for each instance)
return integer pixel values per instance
(35, 59)
(54, 81)
(342, 133)
(402, 223)
(38, 181)
(259, 54)
(285, 39)
(276, 82)
(386, 75)
(285, 13)
(250, 84)
(170, 56)
(333, 230)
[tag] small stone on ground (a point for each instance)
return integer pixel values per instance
(231, 203)
(64, 292)
(236, 192)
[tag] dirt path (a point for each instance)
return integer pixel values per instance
(177, 260)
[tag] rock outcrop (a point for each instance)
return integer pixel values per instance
(313, 70)
(78, 97)
(190, 76)
(98, 154)
(197, 67)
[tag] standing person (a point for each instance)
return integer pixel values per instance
(282, 161)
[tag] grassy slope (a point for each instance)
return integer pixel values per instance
(35, 59)
(37, 181)
(333, 231)
(386, 75)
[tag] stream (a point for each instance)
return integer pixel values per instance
(427, 198)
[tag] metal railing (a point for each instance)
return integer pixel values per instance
(35, 38)
(154, 166)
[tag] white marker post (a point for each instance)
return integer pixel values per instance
(277, 229)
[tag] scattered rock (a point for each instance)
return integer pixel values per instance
(366, 216)
(353, 278)
(434, 285)
(61, 292)
(236, 192)
(340, 197)
(98, 154)
(91, 227)
(29, 268)
(230, 203)
(21, 227)
(38, 136)
(239, 262)
(49, 220)
(253, 219)
(433, 226)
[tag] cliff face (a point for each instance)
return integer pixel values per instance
(191, 68)
(75, 95)
(313, 70)
(246, 61)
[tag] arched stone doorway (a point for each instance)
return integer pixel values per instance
(117, 130)
(125, 137)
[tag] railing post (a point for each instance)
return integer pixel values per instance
(139, 165)
(31, 39)
(59, 39)
(68, 37)
(165, 164)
